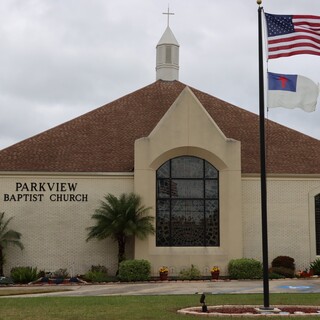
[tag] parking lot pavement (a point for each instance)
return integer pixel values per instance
(311, 285)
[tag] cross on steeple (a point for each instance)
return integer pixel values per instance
(168, 14)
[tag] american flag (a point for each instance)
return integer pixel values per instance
(290, 35)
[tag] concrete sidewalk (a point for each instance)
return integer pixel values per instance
(310, 285)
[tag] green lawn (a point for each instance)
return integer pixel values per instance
(132, 307)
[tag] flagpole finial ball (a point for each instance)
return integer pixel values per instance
(259, 2)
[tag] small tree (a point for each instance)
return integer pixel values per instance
(7, 237)
(121, 218)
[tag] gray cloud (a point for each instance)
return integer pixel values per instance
(60, 59)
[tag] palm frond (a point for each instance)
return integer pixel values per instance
(4, 223)
(9, 236)
(121, 217)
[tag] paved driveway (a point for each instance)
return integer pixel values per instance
(186, 287)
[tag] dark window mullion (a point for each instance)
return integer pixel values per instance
(202, 199)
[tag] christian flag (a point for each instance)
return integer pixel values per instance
(291, 91)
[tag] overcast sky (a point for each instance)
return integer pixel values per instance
(62, 58)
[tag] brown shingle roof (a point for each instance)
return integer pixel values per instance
(103, 139)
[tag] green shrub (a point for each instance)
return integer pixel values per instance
(245, 269)
(97, 273)
(315, 266)
(23, 274)
(96, 276)
(41, 274)
(192, 273)
(99, 268)
(134, 270)
(61, 274)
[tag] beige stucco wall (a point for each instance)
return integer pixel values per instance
(54, 232)
(187, 129)
(291, 219)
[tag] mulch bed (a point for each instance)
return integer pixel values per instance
(290, 309)
(234, 310)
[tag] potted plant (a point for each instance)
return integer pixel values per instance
(215, 271)
(163, 272)
(304, 274)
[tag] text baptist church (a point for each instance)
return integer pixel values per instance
(36, 191)
(193, 158)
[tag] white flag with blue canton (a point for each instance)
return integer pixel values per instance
(292, 91)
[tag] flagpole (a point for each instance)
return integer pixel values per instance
(263, 166)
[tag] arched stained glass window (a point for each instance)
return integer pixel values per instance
(187, 203)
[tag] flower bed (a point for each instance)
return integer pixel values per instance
(239, 310)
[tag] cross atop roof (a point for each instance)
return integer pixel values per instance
(168, 15)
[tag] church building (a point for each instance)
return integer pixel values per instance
(193, 158)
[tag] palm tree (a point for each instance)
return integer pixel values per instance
(121, 218)
(7, 236)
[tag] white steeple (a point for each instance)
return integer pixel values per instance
(167, 66)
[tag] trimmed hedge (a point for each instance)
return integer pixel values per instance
(245, 269)
(283, 265)
(134, 270)
(283, 261)
(282, 271)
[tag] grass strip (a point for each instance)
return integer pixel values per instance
(21, 291)
(133, 307)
